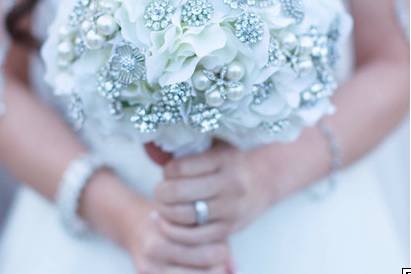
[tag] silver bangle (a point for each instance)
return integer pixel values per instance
(335, 151)
(71, 186)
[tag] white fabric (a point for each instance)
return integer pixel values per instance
(353, 230)
(403, 13)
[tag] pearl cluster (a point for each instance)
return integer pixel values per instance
(197, 13)
(249, 28)
(221, 84)
(91, 24)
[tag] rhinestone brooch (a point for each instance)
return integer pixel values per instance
(196, 13)
(158, 14)
(249, 28)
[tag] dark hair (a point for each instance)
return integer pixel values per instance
(15, 24)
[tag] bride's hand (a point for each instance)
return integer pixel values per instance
(153, 253)
(117, 212)
(237, 185)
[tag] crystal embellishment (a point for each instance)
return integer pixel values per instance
(127, 64)
(196, 13)
(220, 82)
(205, 118)
(276, 56)
(275, 128)
(249, 28)
(158, 14)
(294, 8)
(262, 92)
(176, 94)
(236, 4)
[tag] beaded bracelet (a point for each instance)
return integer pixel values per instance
(74, 181)
(321, 190)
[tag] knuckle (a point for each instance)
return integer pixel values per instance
(216, 254)
(151, 248)
(174, 168)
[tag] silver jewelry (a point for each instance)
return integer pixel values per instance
(201, 209)
(335, 151)
(73, 182)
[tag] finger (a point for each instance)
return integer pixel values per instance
(208, 255)
(191, 166)
(157, 155)
(190, 190)
(185, 270)
(198, 235)
(184, 214)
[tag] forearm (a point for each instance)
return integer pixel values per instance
(36, 147)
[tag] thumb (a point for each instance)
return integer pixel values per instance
(157, 155)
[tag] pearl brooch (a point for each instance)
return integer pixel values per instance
(158, 14)
(196, 13)
(221, 84)
(249, 28)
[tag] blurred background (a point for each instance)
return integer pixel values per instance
(7, 191)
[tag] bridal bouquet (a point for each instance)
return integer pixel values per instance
(182, 72)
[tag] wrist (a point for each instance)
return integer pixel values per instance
(108, 206)
(286, 168)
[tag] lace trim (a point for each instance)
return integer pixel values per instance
(403, 14)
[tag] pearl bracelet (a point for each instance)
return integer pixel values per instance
(73, 182)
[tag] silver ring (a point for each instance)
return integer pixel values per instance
(201, 209)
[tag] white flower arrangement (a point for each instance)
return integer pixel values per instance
(183, 72)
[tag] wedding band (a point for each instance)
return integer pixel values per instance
(201, 209)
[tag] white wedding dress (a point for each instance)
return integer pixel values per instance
(359, 228)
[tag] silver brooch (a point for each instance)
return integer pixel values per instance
(127, 64)
(249, 28)
(158, 14)
(294, 8)
(197, 13)
(274, 128)
(223, 87)
(176, 94)
(205, 118)
(276, 56)
(262, 92)
(236, 4)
